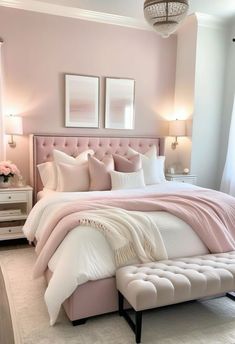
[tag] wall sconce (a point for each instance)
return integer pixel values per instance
(13, 126)
(177, 128)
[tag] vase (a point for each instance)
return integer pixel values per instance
(5, 182)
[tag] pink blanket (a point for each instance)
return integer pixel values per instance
(210, 213)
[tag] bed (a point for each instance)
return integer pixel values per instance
(92, 291)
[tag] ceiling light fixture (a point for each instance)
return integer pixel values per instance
(165, 16)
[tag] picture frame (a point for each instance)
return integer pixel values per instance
(119, 103)
(82, 101)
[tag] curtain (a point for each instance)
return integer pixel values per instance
(228, 179)
(2, 139)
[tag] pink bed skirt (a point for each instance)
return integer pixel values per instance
(91, 298)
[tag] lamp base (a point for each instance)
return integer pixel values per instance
(174, 145)
(12, 143)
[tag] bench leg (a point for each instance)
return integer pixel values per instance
(231, 295)
(137, 326)
(120, 304)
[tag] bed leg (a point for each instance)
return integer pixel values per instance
(79, 322)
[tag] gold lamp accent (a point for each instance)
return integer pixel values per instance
(177, 128)
(165, 16)
(13, 126)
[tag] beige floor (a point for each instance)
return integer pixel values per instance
(6, 330)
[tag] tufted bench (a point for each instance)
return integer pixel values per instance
(157, 284)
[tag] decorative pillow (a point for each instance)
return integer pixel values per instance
(73, 177)
(48, 174)
(153, 166)
(131, 164)
(161, 167)
(99, 173)
(151, 153)
(61, 157)
(122, 180)
(154, 170)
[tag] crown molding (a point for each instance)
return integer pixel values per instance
(77, 13)
(213, 22)
(204, 20)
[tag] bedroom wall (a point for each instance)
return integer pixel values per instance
(211, 58)
(39, 49)
(228, 100)
(180, 158)
(2, 145)
(200, 79)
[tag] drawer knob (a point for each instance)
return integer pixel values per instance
(9, 197)
(9, 230)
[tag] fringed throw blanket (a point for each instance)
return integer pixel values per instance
(210, 213)
(130, 235)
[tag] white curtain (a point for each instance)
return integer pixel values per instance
(228, 179)
(2, 140)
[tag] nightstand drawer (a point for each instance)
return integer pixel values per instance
(11, 230)
(15, 205)
(185, 180)
(13, 197)
(182, 178)
(9, 233)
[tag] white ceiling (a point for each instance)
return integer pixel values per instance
(134, 8)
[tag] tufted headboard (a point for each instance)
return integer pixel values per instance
(42, 147)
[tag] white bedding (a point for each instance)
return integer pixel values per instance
(45, 192)
(89, 248)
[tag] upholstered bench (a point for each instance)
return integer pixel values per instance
(157, 284)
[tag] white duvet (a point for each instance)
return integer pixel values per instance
(86, 255)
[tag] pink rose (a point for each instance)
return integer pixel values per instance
(7, 167)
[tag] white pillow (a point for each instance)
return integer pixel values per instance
(151, 153)
(153, 166)
(121, 180)
(73, 177)
(161, 168)
(154, 170)
(48, 174)
(63, 158)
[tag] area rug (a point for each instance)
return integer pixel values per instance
(205, 322)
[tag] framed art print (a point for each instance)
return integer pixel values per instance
(81, 101)
(119, 104)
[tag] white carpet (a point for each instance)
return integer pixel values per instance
(207, 322)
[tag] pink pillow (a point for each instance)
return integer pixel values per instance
(99, 173)
(132, 164)
(73, 178)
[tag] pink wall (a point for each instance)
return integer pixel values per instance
(39, 49)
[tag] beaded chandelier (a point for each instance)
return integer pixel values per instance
(165, 16)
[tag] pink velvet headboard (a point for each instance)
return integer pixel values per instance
(42, 147)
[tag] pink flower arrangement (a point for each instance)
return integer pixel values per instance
(7, 170)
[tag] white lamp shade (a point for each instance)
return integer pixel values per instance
(13, 125)
(177, 128)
